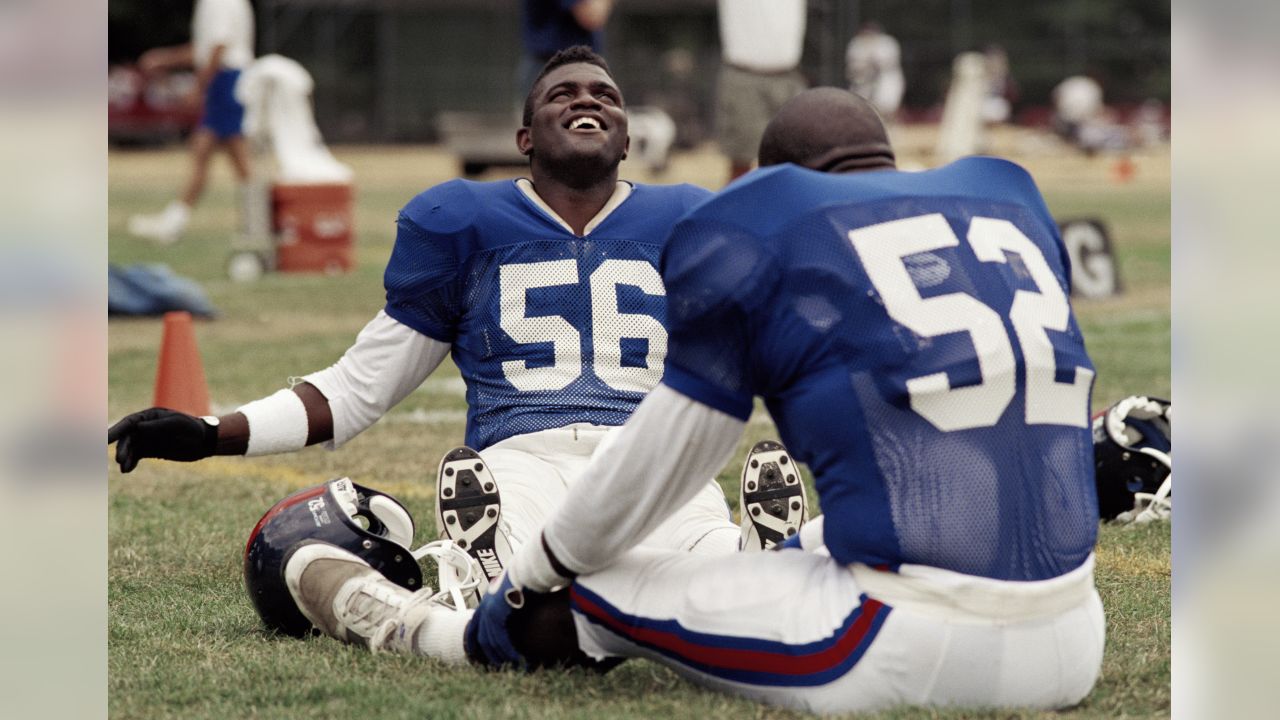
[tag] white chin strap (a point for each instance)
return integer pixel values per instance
(1148, 507)
(460, 576)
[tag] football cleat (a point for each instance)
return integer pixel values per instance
(347, 599)
(772, 497)
(468, 509)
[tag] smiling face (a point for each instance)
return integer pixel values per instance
(578, 129)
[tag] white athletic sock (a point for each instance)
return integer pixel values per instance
(440, 636)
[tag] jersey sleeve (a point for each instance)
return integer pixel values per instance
(717, 282)
(422, 279)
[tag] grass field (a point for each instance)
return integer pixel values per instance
(184, 640)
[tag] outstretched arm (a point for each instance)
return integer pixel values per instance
(171, 435)
(387, 362)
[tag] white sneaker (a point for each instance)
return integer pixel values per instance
(772, 499)
(347, 599)
(468, 508)
(164, 227)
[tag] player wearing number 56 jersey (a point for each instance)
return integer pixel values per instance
(558, 336)
(547, 294)
(548, 327)
(911, 336)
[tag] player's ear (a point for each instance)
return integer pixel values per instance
(626, 146)
(524, 142)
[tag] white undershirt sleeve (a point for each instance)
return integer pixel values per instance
(662, 457)
(388, 361)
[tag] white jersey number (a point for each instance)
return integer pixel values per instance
(882, 249)
(609, 326)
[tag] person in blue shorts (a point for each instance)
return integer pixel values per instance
(222, 34)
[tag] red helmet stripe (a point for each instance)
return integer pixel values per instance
(280, 507)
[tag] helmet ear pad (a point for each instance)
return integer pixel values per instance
(379, 532)
(1131, 453)
(396, 524)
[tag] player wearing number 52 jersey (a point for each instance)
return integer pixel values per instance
(911, 336)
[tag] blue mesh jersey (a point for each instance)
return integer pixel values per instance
(911, 337)
(548, 329)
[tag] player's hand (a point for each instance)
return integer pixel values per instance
(164, 434)
(488, 635)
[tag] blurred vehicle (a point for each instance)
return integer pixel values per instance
(148, 111)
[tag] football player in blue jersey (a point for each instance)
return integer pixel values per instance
(911, 336)
(547, 294)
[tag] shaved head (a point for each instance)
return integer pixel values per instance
(829, 130)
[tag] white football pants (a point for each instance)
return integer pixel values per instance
(797, 629)
(534, 472)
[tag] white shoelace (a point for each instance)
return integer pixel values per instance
(373, 600)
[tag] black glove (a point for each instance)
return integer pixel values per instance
(164, 434)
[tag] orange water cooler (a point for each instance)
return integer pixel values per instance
(314, 227)
(290, 227)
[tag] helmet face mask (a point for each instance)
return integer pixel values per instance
(368, 523)
(1132, 455)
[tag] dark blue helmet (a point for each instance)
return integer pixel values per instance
(368, 523)
(1132, 449)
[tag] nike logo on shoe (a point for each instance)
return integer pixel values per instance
(489, 561)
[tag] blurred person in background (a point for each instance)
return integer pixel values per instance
(222, 39)
(1082, 118)
(549, 26)
(761, 42)
(1077, 103)
(873, 67)
(1001, 90)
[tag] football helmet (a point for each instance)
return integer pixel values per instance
(1132, 448)
(368, 523)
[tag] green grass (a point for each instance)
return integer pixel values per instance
(184, 641)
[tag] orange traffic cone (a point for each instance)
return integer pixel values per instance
(180, 383)
(1124, 169)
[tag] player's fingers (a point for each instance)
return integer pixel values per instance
(121, 428)
(124, 454)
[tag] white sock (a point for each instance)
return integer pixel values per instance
(440, 636)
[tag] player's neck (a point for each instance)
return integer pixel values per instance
(575, 205)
